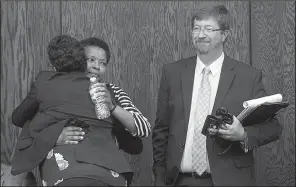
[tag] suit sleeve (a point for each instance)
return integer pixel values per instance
(126, 142)
(161, 130)
(27, 109)
(263, 133)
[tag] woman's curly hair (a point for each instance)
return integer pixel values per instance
(97, 42)
(66, 54)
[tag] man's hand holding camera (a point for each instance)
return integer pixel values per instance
(226, 126)
(232, 132)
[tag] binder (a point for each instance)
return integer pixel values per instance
(260, 113)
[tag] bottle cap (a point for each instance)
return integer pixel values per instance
(93, 79)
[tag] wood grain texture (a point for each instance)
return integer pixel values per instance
(144, 35)
(119, 25)
(273, 51)
(26, 28)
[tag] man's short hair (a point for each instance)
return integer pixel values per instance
(96, 42)
(219, 12)
(66, 54)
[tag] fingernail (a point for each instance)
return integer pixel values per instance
(81, 137)
(80, 129)
(83, 133)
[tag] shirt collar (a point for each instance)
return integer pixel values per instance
(215, 67)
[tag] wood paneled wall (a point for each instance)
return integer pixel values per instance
(144, 35)
(273, 51)
(26, 29)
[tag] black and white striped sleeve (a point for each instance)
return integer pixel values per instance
(142, 124)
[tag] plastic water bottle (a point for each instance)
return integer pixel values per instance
(102, 110)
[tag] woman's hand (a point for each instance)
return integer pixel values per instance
(70, 135)
(99, 90)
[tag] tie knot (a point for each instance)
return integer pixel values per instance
(206, 71)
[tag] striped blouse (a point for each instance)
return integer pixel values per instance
(142, 124)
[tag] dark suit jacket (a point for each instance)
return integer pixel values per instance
(58, 97)
(238, 82)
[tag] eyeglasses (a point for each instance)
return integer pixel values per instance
(206, 30)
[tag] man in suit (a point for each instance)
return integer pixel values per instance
(192, 88)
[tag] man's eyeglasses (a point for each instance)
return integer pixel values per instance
(206, 30)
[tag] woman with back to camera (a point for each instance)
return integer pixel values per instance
(59, 97)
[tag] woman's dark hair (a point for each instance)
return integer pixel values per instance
(219, 12)
(93, 41)
(66, 54)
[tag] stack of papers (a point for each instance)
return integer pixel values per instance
(251, 105)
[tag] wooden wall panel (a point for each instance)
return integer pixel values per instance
(144, 35)
(273, 51)
(121, 25)
(26, 28)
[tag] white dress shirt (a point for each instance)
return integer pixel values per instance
(214, 76)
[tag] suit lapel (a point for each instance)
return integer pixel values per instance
(187, 86)
(226, 78)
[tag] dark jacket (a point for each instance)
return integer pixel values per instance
(56, 98)
(238, 83)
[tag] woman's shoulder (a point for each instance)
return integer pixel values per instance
(118, 91)
(115, 87)
(45, 74)
(48, 75)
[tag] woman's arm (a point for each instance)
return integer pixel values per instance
(128, 114)
(27, 109)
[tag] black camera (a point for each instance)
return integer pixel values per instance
(222, 117)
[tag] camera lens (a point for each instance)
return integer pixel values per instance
(227, 118)
(221, 111)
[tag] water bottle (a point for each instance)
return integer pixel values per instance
(102, 110)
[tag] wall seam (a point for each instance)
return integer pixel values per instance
(250, 33)
(61, 20)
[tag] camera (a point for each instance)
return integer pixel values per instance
(222, 117)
